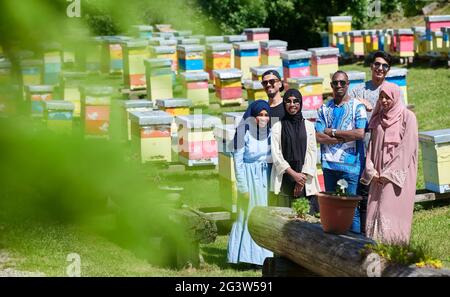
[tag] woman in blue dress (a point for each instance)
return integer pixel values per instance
(252, 161)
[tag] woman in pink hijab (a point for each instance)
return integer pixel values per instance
(391, 168)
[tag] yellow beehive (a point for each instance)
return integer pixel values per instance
(175, 107)
(159, 78)
(255, 91)
(234, 39)
(324, 62)
(58, 116)
(70, 82)
(271, 51)
(338, 24)
(246, 56)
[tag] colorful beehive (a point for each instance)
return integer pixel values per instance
(296, 63)
(52, 58)
(31, 72)
(159, 78)
(338, 24)
(374, 42)
(195, 87)
(58, 115)
(120, 116)
(35, 94)
(175, 107)
(255, 91)
(246, 56)
(311, 88)
(112, 54)
(134, 54)
(381, 37)
(165, 51)
(257, 34)
(324, 40)
(390, 41)
(357, 43)
(398, 77)
(150, 135)
(445, 39)
(340, 42)
(324, 61)
(355, 78)
(438, 44)
(258, 71)
(228, 86)
(218, 56)
(271, 51)
(367, 40)
(436, 159)
(212, 39)
(420, 46)
(142, 31)
(95, 111)
(70, 91)
(234, 39)
(196, 143)
(190, 58)
(435, 23)
(405, 42)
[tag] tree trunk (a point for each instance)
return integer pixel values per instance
(306, 244)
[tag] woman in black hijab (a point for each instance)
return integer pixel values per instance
(294, 153)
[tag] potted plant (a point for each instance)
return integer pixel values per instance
(337, 209)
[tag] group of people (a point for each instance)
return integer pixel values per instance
(367, 137)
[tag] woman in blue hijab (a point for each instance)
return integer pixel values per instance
(252, 160)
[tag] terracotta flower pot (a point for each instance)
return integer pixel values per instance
(336, 212)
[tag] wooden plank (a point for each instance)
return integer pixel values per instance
(424, 195)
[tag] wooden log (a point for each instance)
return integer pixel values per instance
(282, 267)
(306, 244)
(424, 195)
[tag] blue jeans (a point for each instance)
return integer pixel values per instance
(331, 178)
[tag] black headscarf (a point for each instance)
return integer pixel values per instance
(293, 141)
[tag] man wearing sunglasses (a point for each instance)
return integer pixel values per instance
(340, 131)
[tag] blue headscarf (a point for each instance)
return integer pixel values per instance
(253, 111)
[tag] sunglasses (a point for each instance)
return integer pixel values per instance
(270, 81)
(384, 65)
(336, 83)
(295, 101)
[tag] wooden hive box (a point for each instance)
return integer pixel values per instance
(311, 88)
(323, 62)
(58, 115)
(296, 63)
(271, 51)
(35, 94)
(159, 78)
(228, 86)
(134, 54)
(95, 111)
(195, 87)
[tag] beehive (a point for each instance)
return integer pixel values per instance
(381, 39)
(436, 159)
(347, 42)
(188, 41)
(234, 39)
(120, 116)
(405, 42)
(218, 56)
(58, 115)
(196, 143)
(195, 87)
(164, 35)
(190, 58)
(175, 107)
(112, 54)
(246, 56)
(324, 39)
(311, 88)
(165, 52)
(257, 34)
(367, 40)
(70, 91)
(374, 41)
(258, 71)
(338, 24)
(324, 62)
(143, 31)
(159, 77)
(357, 43)
(212, 39)
(52, 58)
(420, 46)
(398, 77)
(228, 86)
(296, 63)
(35, 94)
(340, 42)
(435, 23)
(355, 78)
(390, 41)
(438, 44)
(134, 54)
(95, 111)
(445, 39)
(31, 72)
(255, 91)
(271, 52)
(150, 135)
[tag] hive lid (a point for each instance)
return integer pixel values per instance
(404, 31)
(195, 76)
(356, 75)
(135, 43)
(355, 33)
(437, 18)
(273, 43)
(97, 90)
(174, 102)
(159, 62)
(339, 19)
(246, 46)
(40, 88)
(162, 49)
(213, 39)
(165, 35)
(436, 136)
(305, 80)
(136, 103)
(190, 48)
(182, 40)
(158, 41)
(368, 32)
(151, 117)
(235, 38)
(217, 47)
(296, 55)
(59, 105)
(228, 73)
(259, 70)
(257, 30)
(183, 33)
(197, 121)
(143, 28)
(253, 85)
(324, 51)
(394, 71)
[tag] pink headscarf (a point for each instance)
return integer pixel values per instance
(390, 120)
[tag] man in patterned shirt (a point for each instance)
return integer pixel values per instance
(340, 131)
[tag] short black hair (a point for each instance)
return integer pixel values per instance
(277, 74)
(381, 54)
(339, 72)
